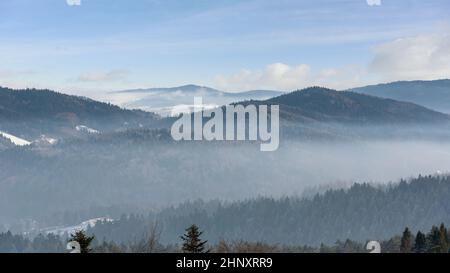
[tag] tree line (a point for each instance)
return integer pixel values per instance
(435, 241)
(360, 212)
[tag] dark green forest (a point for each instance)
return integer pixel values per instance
(339, 220)
(31, 112)
(361, 212)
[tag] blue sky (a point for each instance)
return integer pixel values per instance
(91, 46)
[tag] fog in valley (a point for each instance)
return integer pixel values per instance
(132, 172)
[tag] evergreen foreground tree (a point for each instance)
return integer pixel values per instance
(420, 245)
(406, 242)
(434, 240)
(443, 239)
(84, 240)
(192, 242)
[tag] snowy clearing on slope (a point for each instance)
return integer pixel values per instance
(16, 140)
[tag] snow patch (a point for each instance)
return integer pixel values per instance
(16, 140)
(83, 128)
(44, 140)
(61, 231)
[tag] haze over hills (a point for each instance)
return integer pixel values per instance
(362, 211)
(431, 94)
(164, 100)
(29, 114)
(127, 159)
(118, 118)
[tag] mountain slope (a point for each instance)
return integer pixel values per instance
(28, 114)
(326, 105)
(34, 112)
(431, 94)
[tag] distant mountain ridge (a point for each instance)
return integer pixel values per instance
(31, 113)
(189, 88)
(164, 100)
(192, 88)
(431, 94)
(327, 105)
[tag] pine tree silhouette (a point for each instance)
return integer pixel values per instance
(420, 245)
(84, 240)
(406, 241)
(434, 240)
(192, 242)
(443, 239)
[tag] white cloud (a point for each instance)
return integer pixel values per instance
(113, 75)
(274, 76)
(421, 57)
(281, 76)
(73, 2)
(374, 2)
(424, 57)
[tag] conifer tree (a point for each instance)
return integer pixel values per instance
(192, 242)
(420, 245)
(406, 242)
(443, 239)
(84, 240)
(433, 240)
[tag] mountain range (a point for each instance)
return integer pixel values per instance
(434, 95)
(431, 94)
(31, 113)
(164, 100)
(327, 105)
(105, 156)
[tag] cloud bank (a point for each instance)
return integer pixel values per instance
(280, 76)
(277, 75)
(420, 57)
(423, 57)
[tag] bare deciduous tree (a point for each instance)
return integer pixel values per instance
(150, 242)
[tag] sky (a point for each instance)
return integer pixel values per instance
(90, 47)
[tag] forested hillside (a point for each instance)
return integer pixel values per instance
(327, 105)
(431, 94)
(340, 220)
(362, 212)
(32, 112)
